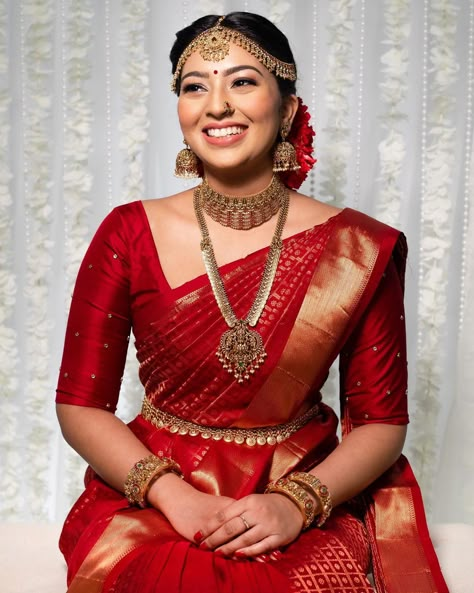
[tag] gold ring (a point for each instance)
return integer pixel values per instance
(244, 521)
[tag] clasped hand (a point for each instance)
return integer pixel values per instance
(255, 525)
(251, 526)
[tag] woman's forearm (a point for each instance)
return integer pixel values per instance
(362, 457)
(103, 440)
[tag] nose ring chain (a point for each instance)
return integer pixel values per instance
(228, 109)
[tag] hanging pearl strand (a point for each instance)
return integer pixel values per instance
(185, 13)
(186, 183)
(27, 228)
(62, 11)
(37, 153)
(69, 474)
(417, 447)
(66, 213)
(9, 369)
(468, 183)
(314, 74)
(108, 107)
(26, 188)
(360, 94)
(423, 143)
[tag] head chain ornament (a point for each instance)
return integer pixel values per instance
(214, 46)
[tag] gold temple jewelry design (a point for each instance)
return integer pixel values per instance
(214, 46)
(246, 212)
(187, 164)
(298, 495)
(264, 435)
(317, 490)
(284, 156)
(143, 474)
(241, 349)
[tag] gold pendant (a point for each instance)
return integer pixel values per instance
(241, 351)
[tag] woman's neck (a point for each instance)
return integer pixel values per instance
(237, 183)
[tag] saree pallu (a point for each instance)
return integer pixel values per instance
(327, 285)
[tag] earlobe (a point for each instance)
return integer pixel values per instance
(289, 108)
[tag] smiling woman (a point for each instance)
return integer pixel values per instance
(241, 293)
(231, 117)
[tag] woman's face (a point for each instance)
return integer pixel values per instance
(241, 139)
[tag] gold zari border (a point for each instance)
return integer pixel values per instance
(264, 435)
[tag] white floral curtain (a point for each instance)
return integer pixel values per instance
(86, 123)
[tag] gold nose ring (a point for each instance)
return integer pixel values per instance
(228, 110)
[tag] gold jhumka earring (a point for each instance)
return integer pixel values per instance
(187, 164)
(284, 157)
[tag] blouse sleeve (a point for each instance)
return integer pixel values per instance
(99, 322)
(373, 364)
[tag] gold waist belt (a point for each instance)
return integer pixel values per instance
(264, 435)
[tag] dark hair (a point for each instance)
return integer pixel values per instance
(255, 27)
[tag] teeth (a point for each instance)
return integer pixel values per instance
(219, 132)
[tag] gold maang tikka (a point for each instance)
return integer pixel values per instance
(214, 45)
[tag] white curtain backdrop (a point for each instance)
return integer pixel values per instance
(87, 122)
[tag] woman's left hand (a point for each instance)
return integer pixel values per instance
(254, 525)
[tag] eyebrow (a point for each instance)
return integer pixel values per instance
(226, 72)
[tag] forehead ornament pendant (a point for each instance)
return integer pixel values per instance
(213, 45)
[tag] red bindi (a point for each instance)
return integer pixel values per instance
(215, 72)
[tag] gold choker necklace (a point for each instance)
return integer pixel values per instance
(243, 213)
(241, 349)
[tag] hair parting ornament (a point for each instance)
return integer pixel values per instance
(214, 45)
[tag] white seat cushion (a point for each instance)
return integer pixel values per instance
(30, 561)
(454, 545)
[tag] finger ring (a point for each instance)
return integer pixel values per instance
(244, 521)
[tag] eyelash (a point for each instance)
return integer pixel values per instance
(189, 88)
(195, 87)
(245, 81)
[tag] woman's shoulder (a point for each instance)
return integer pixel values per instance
(309, 208)
(147, 211)
(308, 212)
(178, 204)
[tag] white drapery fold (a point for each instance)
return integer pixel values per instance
(87, 122)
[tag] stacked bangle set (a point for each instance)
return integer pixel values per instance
(303, 488)
(143, 475)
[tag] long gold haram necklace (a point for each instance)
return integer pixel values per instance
(241, 349)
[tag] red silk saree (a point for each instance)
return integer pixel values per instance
(338, 291)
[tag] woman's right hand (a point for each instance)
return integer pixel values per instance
(188, 510)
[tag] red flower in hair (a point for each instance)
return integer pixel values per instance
(301, 136)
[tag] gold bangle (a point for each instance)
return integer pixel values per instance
(298, 495)
(318, 490)
(309, 482)
(143, 474)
